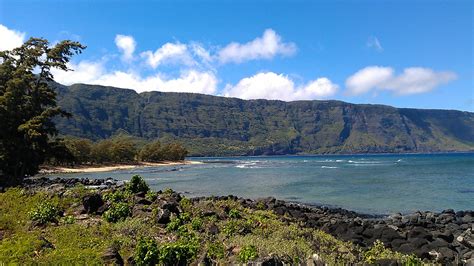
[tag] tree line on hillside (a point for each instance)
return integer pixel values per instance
(117, 149)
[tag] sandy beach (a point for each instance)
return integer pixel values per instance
(107, 168)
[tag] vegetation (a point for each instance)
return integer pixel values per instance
(209, 125)
(189, 237)
(121, 148)
(28, 104)
(44, 213)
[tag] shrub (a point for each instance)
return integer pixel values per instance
(174, 224)
(137, 184)
(247, 253)
(69, 219)
(196, 223)
(178, 253)
(379, 252)
(146, 252)
(117, 196)
(151, 196)
(215, 251)
(185, 204)
(234, 213)
(117, 212)
(44, 212)
(233, 227)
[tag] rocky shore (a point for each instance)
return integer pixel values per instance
(446, 237)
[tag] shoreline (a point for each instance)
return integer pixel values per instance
(445, 237)
(48, 170)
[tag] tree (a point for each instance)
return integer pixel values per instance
(28, 104)
(80, 149)
(151, 152)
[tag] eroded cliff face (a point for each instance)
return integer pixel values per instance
(210, 125)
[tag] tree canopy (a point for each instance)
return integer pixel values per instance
(28, 104)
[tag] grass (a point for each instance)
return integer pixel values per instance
(242, 234)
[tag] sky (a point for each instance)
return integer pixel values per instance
(415, 54)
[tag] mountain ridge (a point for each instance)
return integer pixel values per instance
(215, 125)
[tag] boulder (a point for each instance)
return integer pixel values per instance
(92, 203)
(112, 256)
(163, 216)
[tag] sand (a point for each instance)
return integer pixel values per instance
(107, 168)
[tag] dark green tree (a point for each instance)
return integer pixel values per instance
(151, 152)
(28, 104)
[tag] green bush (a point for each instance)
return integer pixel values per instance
(117, 212)
(215, 251)
(234, 213)
(247, 253)
(174, 224)
(118, 196)
(185, 204)
(196, 223)
(379, 252)
(151, 196)
(137, 184)
(146, 252)
(44, 213)
(178, 253)
(69, 219)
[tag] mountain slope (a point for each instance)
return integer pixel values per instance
(211, 125)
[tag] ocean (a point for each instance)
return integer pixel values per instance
(373, 184)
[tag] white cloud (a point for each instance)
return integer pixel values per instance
(94, 73)
(10, 38)
(274, 86)
(84, 72)
(368, 78)
(127, 45)
(373, 42)
(411, 81)
(169, 53)
(265, 47)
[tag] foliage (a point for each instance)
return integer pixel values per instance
(151, 195)
(247, 253)
(196, 223)
(155, 152)
(28, 104)
(234, 213)
(137, 184)
(86, 240)
(118, 196)
(215, 250)
(178, 253)
(117, 212)
(44, 213)
(217, 126)
(379, 252)
(146, 252)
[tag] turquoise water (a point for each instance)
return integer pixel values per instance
(378, 184)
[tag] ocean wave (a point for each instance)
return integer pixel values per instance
(329, 167)
(252, 164)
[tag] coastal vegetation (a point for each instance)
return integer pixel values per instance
(120, 223)
(118, 149)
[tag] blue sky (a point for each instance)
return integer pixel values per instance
(401, 53)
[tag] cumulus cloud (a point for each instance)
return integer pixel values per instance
(127, 45)
(412, 80)
(270, 85)
(265, 47)
(373, 42)
(94, 73)
(10, 38)
(169, 53)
